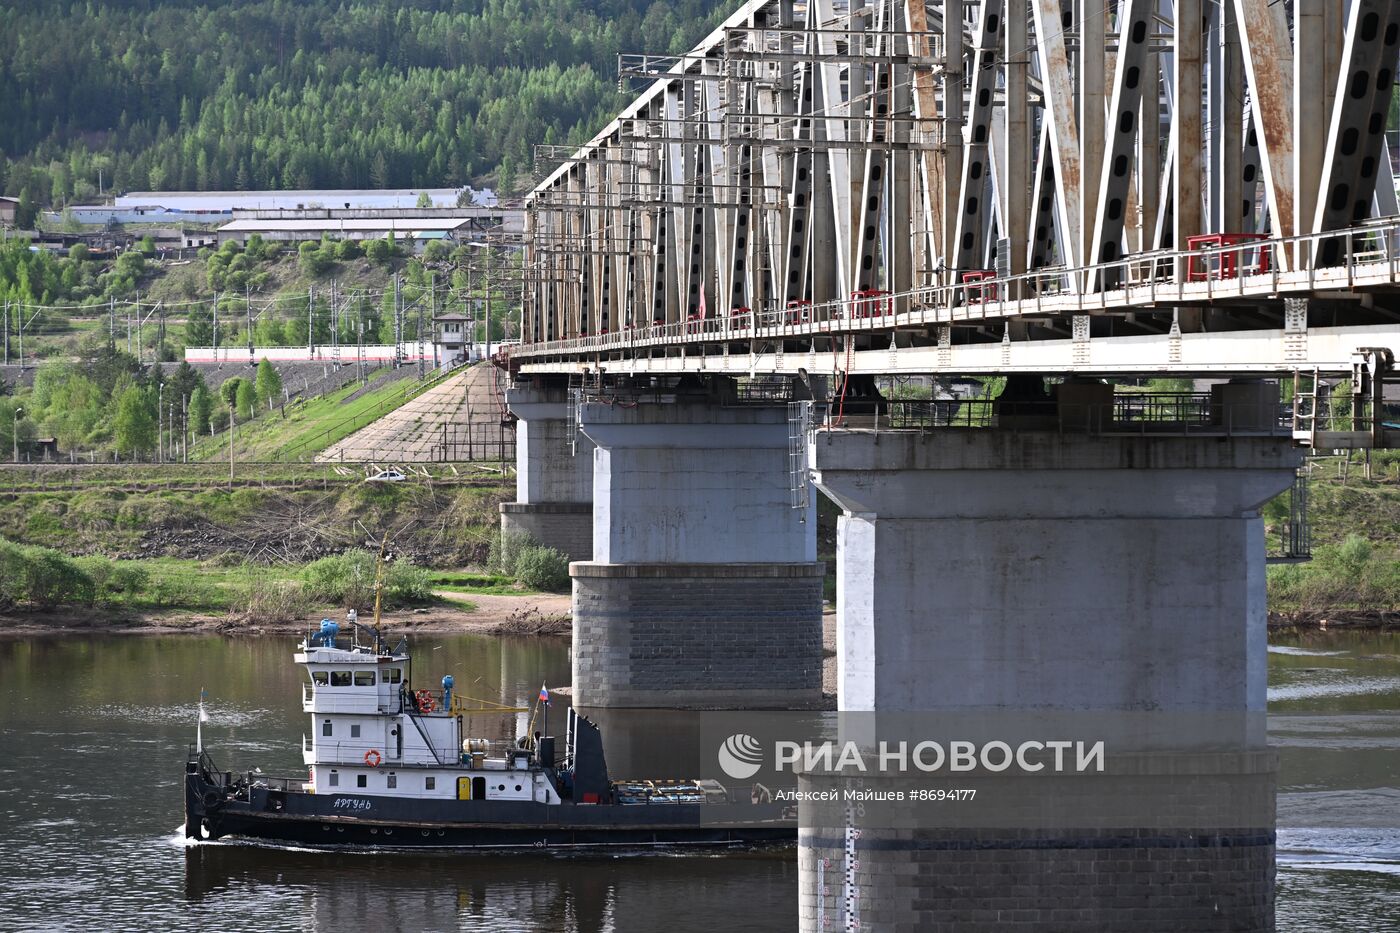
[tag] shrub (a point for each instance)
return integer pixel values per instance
(42, 578)
(264, 600)
(407, 583)
(11, 574)
(345, 579)
(348, 580)
(542, 568)
(505, 550)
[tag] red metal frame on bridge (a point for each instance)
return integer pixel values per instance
(1229, 261)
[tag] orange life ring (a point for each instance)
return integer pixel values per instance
(425, 700)
(372, 758)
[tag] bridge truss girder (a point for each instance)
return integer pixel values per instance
(805, 156)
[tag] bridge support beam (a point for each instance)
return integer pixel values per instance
(704, 590)
(554, 480)
(1031, 573)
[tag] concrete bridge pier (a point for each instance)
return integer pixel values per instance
(1116, 583)
(554, 480)
(704, 590)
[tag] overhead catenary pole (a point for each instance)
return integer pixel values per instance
(398, 324)
(420, 329)
(232, 424)
(248, 300)
(335, 323)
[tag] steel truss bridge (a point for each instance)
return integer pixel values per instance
(1121, 188)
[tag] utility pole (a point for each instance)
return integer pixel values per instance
(335, 324)
(232, 422)
(185, 428)
(140, 353)
(216, 331)
(112, 324)
(248, 299)
(7, 332)
(310, 310)
(487, 278)
(398, 324)
(432, 298)
(160, 421)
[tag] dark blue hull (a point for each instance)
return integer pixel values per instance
(215, 808)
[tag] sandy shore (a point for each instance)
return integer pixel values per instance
(492, 615)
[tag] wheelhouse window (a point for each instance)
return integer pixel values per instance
(326, 727)
(393, 675)
(364, 678)
(340, 678)
(354, 732)
(320, 677)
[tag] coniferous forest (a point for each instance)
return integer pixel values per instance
(259, 94)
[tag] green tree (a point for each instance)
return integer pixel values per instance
(269, 384)
(27, 212)
(247, 400)
(425, 199)
(380, 252)
(183, 381)
(201, 407)
(228, 391)
(134, 428)
(314, 260)
(199, 327)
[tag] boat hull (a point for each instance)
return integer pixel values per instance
(212, 811)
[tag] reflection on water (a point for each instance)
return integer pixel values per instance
(95, 732)
(443, 891)
(1334, 702)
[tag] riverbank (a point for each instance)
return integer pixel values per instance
(525, 614)
(1322, 620)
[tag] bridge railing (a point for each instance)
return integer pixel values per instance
(1219, 266)
(1128, 413)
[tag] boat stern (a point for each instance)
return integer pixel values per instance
(205, 794)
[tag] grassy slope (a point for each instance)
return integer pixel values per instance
(137, 515)
(286, 511)
(309, 426)
(1355, 530)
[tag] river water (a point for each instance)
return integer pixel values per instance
(94, 732)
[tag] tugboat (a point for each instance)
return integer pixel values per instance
(389, 766)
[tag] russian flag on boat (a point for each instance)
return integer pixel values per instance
(544, 694)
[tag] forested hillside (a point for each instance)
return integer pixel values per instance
(230, 94)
